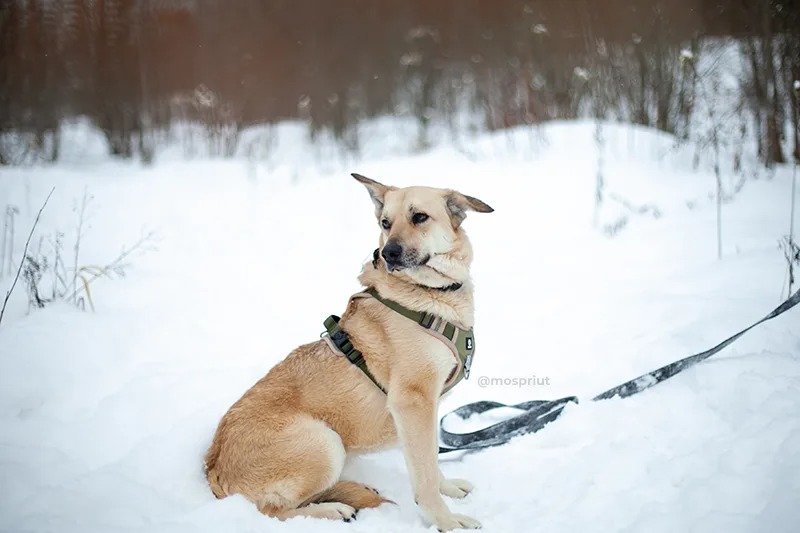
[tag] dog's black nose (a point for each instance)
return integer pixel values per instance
(392, 252)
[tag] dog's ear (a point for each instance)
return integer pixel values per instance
(376, 191)
(458, 204)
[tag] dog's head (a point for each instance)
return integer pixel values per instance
(421, 228)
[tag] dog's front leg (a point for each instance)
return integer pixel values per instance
(413, 407)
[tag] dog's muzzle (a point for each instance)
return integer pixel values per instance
(398, 258)
(392, 254)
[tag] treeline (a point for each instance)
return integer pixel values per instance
(135, 67)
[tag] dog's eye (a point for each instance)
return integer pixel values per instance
(386, 224)
(419, 218)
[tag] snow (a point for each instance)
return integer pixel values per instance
(105, 416)
(582, 73)
(538, 29)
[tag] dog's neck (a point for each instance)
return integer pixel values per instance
(427, 288)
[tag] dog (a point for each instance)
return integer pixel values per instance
(283, 444)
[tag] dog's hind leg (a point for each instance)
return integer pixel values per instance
(329, 510)
(302, 461)
(312, 456)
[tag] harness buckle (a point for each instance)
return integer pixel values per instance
(426, 320)
(339, 338)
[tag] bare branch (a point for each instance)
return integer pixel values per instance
(144, 244)
(24, 254)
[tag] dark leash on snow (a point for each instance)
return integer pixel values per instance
(538, 413)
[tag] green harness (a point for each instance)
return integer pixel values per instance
(460, 341)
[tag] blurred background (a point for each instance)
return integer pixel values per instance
(147, 73)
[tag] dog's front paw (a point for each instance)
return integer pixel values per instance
(457, 521)
(455, 488)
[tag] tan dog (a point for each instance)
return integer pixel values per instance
(283, 444)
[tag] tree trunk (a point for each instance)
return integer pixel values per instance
(774, 152)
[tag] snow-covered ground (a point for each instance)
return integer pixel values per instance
(105, 416)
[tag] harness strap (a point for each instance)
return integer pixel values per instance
(339, 341)
(461, 342)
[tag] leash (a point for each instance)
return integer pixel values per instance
(538, 413)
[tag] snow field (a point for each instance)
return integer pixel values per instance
(105, 416)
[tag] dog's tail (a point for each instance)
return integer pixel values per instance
(216, 484)
(351, 493)
(212, 475)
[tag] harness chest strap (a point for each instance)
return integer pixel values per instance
(460, 341)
